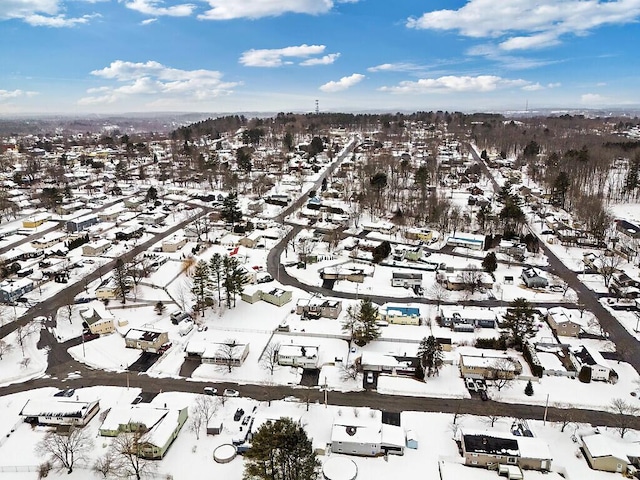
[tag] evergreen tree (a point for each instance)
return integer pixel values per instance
(122, 279)
(159, 308)
(231, 213)
(234, 279)
(217, 274)
(152, 194)
(518, 321)
(281, 450)
(201, 284)
(528, 390)
(490, 262)
(430, 356)
(360, 323)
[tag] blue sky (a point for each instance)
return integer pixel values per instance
(116, 56)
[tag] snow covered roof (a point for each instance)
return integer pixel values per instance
(475, 313)
(296, 351)
(600, 445)
(357, 425)
(56, 407)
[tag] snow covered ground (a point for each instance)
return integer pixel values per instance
(435, 433)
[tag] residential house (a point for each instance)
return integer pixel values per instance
(133, 203)
(158, 427)
(489, 366)
(111, 214)
(587, 357)
(48, 240)
(275, 296)
(420, 234)
(305, 356)
(95, 249)
(532, 278)
(515, 250)
(407, 253)
(466, 240)
(108, 289)
(81, 223)
(467, 318)
(386, 228)
(565, 322)
(628, 240)
(318, 307)
(233, 354)
(610, 454)
(11, 290)
(61, 411)
(153, 218)
(146, 339)
(98, 319)
(399, 314)
(252, 240)
(35, 221)
(624, 286)
(173, 244)
(404, 365)
(352, 274)
(406, 279)
(492, 448)
(461, 281)
(360, 431)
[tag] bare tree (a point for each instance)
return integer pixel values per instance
(106, 464)
(227, 353)
(126, 449)
(349, 371)
(24, 363)
(502, 373)
(607, 266)
(23, 332)
(269, 360)
(65, 449)
(203, 411)
(621, 408)
(492, 415)
(183, 295)
(567, 415)
(4, 348)
(472, 278)
(439, 293)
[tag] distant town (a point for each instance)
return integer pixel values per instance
(437, 295)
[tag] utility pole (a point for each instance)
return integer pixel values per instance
(546, 406)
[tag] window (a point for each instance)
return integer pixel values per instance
(511, 460)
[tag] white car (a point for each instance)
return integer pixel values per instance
(229, 392)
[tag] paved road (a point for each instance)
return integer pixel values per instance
(392, 403)
(626, 344)
(49, 306)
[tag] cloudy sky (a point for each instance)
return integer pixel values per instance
(114, 56)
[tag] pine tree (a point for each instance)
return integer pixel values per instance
(234, 279)
(490, 262)
(366, 329)
(231, 213)
(201, 284)
(430, 356)
(281, 450)
(519, 321)
(217, 273)
(528, 390)
(122, 280)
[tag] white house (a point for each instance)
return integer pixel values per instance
(588, 357)
(360, 431)
(59, 411)
(305, 356)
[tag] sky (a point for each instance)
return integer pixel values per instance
(123, 56)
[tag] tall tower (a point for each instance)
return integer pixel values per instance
(317, 107)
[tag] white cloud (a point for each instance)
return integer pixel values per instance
(452, 83)
(534, 87)
(509, 62)
(10, 94)
(342, 84)
(395, 67)
(230, 9)
(593, 99)
(529, 24)
(58, 21)
(153, 80)
(326, 60)
(40, 13)
(148, 21)
(275, 57)
(156, 8)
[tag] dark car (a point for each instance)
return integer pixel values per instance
(65, 393)
(238, 415)
(483, 395)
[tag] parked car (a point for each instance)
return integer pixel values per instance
(480, 385)
(164, 347)
(370, 377)
(210, 391)
(137, 400)
(65, 393)
(238, 415)
(471, 385)
(229, 392)
(246, 420)
(483, 395)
